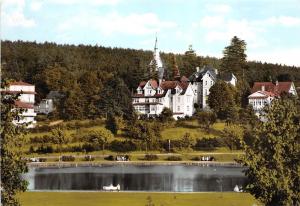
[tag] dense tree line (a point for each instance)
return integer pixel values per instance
(87, 75)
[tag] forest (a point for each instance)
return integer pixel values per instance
(89, 76)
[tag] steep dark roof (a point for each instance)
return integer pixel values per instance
(197, 76)
(227, 77)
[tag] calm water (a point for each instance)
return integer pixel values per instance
(177, 178)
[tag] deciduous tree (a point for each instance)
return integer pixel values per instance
(272, 157)
(12, 164)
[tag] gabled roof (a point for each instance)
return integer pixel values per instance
(20, 83)
(277, 88)
(153, 83)
(184, 79)
(284, 87)
(261, 95)
(165, 85)
(197, 76)
(269, 86)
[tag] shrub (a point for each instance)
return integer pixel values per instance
(42, 159)
(110, 157)
(44, 149)
(208, 143)
(123, 146)
(151, 157)
(88, 147)
(67, 158)
(174, 158)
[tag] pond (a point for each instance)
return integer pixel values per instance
(172, 178)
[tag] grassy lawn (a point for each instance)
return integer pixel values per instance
(135, 199)
(192, 127)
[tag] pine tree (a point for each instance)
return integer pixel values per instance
(234, 59)
(12, 164)
(272, 156)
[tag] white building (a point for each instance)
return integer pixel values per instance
(263, 93)
(203, 79)
(151, 98)
(25, 101)
(45, 106)
(180, 94)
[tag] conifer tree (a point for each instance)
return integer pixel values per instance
(234, 59)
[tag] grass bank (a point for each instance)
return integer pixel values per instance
(135, 199)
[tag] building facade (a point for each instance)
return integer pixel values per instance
(263, 93)
(26, 100)
(180, 94)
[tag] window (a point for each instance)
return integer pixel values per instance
(205, 92)
(205, 83)
(178, 99)
(152, 108)
(211, 83)
(188, 108)
(178, 108)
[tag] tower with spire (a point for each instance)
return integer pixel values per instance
(156, 68)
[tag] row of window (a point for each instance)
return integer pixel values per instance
(137, 100)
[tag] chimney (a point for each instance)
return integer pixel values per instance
(197, 69)
(263, 88)
(216, 71)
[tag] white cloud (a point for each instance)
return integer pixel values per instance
(280, 56)
(85, 2)
(36, 5)
(218, 8)
(288, 21)
(212, 21)
(219, 29)
(13, 14)
(132, 24)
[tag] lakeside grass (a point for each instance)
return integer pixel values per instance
(135, 199)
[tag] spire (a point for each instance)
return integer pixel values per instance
(155, 45)
(156, 65)
(176, 73)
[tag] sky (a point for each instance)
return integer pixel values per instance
(271, 28)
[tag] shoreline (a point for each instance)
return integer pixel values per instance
(137, 163)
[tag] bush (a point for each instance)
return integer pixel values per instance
(174, 158)
(151, 157)
(44, 149)
(42, 159)
(208, 143)
(89, 147)
(122, 146)
(110, 158)
(67, 158)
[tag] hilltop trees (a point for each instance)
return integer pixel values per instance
(272, 156)
(115, 99)
(12, 164)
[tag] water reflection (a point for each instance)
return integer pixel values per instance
(177, 178)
